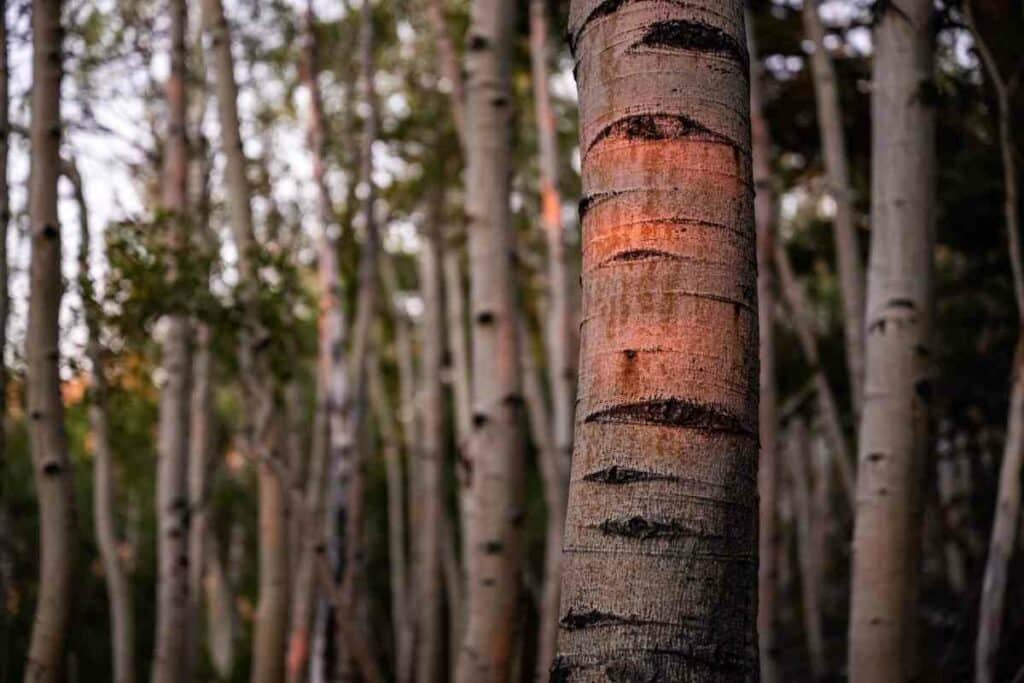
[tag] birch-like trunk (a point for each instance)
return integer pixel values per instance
(798, 456)
(897, 386)
(6, 556)
(119, 591)
(170, 661)
(561, 352)
(221, 618)
(833, 144)
(660, 573)
(495, 511)
(1007, 516)
(768, 469)
(49, 445)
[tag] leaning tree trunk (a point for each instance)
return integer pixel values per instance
(768, 472)
(272, 613)
(893, 425)
(495, 514)
(170, 661)
(559, 339)
(1004, 526)
(51, 464)
(833, 144)
(661, 539)
(119, 590)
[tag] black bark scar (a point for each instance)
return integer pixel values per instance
(679, 34)
(674, 412)
(659, 127)
(625, 475)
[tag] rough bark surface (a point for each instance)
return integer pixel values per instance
(833, 143)
(661, 539)
(49, 445)
(495, 513)
(897, 385)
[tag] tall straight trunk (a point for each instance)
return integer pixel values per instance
(951, 497)
(428, 467)
(170, 661)
(893, 426)
(495, 514)
(119, 591)
(560, 339)
(833, 144)
(332, 330)
(6, 555)
(1004, 526)
(661, 537)
(51, 464)
(793, 294)
(201, 418)
(221, 619)
(272, 612)
(768, 470)
(798, 455)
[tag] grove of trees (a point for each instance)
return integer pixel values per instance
(511, 340)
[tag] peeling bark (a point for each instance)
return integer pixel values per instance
(660, 571)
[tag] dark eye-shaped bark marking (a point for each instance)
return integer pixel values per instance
(674, 412)
(626, 475)
(679, 34)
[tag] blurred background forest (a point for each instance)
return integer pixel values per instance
(396, 199)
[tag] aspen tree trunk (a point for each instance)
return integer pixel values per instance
(495, 514)
(201, 418)
(431, 446)
(272, 613)
(948, 485)
(1007, 516)
(6, 555)
(332, 329)
(833, 144)
(221, 619)
(559, 338)
(119, 591)
(661, 539)
(897, 383)
(798, 454)
(767, 474)
(51, 464)
(170, 661)
(793, 294)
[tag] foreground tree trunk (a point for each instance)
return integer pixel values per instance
(833, 144)
(51, 464)
(495, 512)
(1004, 526)
(119, 591)
(768, 470)
(897, 383)
(170, 661)
(661, 558)
(6, 554)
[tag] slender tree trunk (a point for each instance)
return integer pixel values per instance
(6, 555)
(199, 457)
(767, 476)
(170, 662)
(798, 455)
(221, 619)
(272, 613)
(495, 514)
(119, 592)
(893, 425)
(1007, 516)
(793, 294)
(51, 464)
(661, 538)
(432, 441)
(560, 347)
(948, 486)
(833, 144)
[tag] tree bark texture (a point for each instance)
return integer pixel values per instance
(897, 383)
(495, 511)
(660, 573)
(49, 444)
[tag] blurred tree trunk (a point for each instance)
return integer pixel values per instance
(664, 472)
(119, 590)
(833, 144)
(52, 466)
(768, 470)
(428, 465)
(798, 455)
(221, 618)
(258, 388)
(201, 442)
(170, 662)
(495, 514)
(951, 497)
(1007, 516)
(893, 428)
(793, 294)
(561, 352)
(6, 555)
